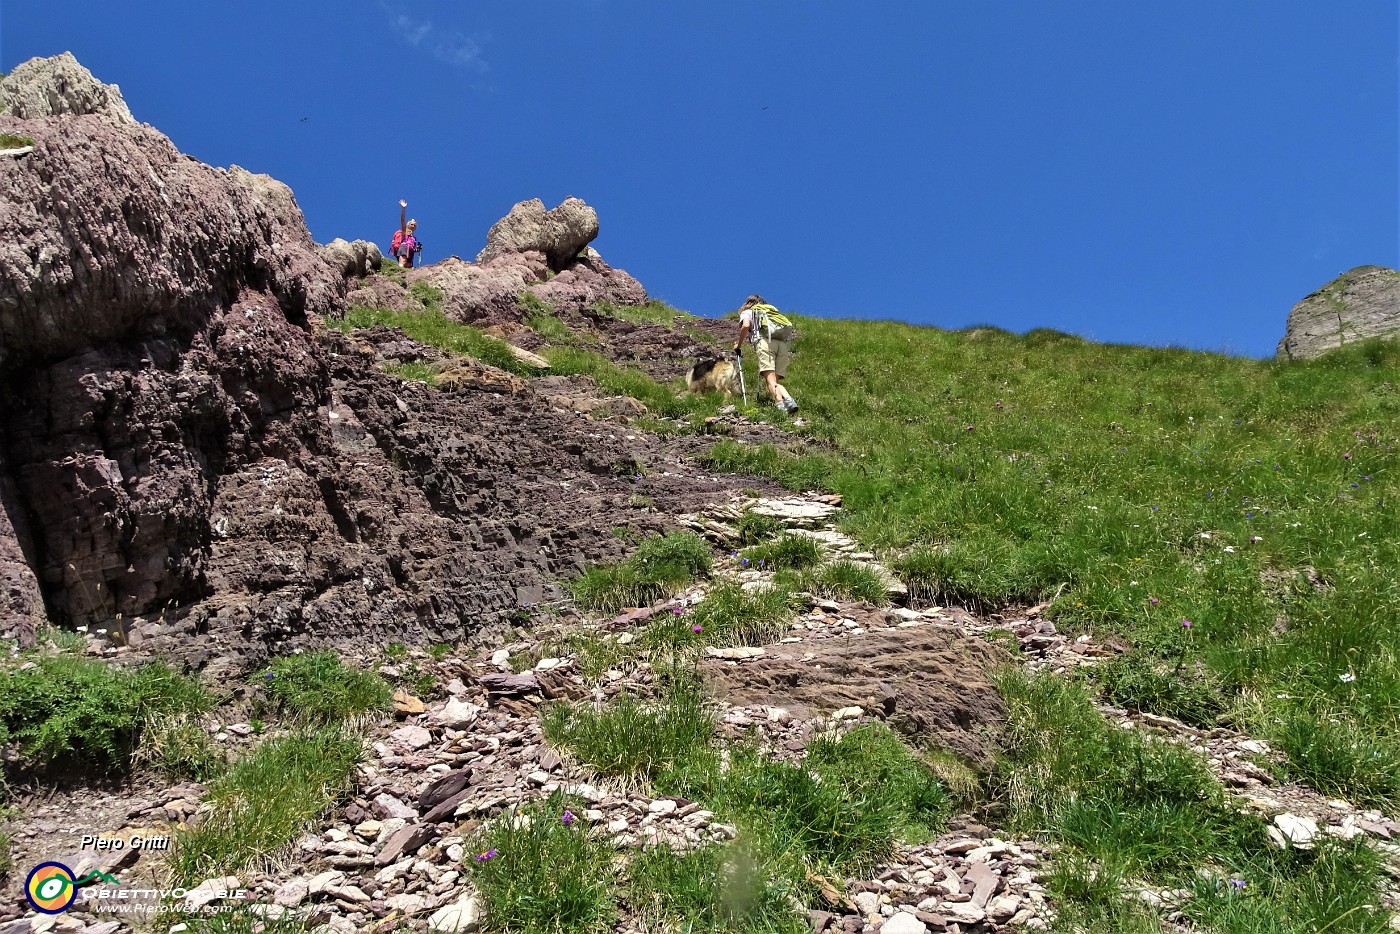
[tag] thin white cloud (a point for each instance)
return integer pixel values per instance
(445, 45)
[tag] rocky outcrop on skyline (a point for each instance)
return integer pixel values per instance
(1361, 303)
(559, 233)
(48, 87)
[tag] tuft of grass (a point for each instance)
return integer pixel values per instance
(755, 528)
(264, 801)
(244, 920)
(730, 615)
(392, 270)
(69, 710)
(427, 295)
(786, 551)
(713, 890)
(842, 579)
(661, 565)
(317, 687)
(14, 141)
(412, 372)
(1139, 681)
(1336, 754)
(180, 749)
(841, 811)
(542, 870)
(7, 863)
(635, 739)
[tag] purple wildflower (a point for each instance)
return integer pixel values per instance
(568, 818)
(1238, 883)
(489, 854)
(1185, 623)
(1153, 600)
(697, 628)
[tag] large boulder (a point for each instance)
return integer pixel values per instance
(48, 87)
(560, 233)
(1361, 303)
(353, 260)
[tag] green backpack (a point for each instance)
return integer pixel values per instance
(774, 323)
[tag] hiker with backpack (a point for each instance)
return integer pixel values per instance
(772, 334)
(405, 246)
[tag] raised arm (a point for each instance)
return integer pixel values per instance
(403, 217)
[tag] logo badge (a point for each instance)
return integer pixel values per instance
(51, 888)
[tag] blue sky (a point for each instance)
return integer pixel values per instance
(1153, 173)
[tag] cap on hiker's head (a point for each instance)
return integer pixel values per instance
(413, 223)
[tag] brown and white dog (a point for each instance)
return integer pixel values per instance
(714, 376)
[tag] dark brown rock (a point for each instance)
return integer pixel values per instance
(444, 788)
(405, 840)
(924, 681)
(504, 685)
(444, 809)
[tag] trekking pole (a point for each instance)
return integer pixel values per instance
(739, 365)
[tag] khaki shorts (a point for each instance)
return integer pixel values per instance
(774, 355)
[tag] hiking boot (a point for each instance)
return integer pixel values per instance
(790, 406)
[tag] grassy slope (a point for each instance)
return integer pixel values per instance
(1023, 467)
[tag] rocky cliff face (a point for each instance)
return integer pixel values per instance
(1363, 302)
(188, 460)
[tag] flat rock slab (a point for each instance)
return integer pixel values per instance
(926, 682)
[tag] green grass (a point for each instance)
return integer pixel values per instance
(660, 566)
(543, 871)
(713, 890)
(653, 312)
(1140, 681)
(264, 801)
(12, 141)
(243, 920)
(755, 528)
(840, 812)
(786, 551)
(1018, 468)
(67, 710)
(178, 747)
(661, 399)
(317, 687)
(729, 615)
(413, 372)
(435, 329)
(636, 739)
(1130, 809)
(840, 579)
